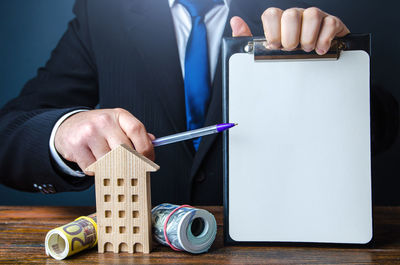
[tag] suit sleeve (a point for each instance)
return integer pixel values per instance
(67, 82)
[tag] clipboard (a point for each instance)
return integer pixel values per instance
(297, 168)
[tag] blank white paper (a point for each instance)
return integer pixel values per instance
(299, 160)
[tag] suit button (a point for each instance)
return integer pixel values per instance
(51, 189)
(42, 190)
(201, 176)
(45, 188)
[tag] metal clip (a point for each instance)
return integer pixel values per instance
(258, 48)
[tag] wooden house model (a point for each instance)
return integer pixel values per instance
(123, 200)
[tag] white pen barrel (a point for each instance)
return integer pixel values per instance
(185, 135)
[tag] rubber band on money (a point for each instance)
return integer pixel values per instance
(166, 223)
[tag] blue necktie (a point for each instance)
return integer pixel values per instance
(197, 66)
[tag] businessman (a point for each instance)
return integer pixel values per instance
(152, 68)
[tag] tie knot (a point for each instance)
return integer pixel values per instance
(198, 8)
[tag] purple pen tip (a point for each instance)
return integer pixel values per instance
(225, 126)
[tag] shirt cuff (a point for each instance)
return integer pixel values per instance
(55, 155)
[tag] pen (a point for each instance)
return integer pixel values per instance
(193, 134)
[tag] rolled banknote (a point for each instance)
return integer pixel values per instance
(189, 229)
(72, 238)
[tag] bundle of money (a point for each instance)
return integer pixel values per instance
(189, 229)
(72, 238)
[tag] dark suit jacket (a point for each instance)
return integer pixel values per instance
(119, 54)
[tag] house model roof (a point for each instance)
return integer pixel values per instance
(121, 153)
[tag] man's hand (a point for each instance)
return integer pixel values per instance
(86, 136)
(312, 28)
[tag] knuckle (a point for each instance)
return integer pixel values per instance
(87, 131)
(313, 13)
(291, 13)
(135, 127)
(271, 12)
(103, 120)
(331, 21)
(70, 141)
(119, 110)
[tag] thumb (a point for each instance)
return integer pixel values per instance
(240, 28)
(151, 136)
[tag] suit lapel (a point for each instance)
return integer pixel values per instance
(153, 35)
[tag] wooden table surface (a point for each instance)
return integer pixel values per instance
(23, 229)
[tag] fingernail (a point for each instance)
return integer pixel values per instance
(320, 51)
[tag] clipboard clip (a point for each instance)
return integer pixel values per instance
(261, 53)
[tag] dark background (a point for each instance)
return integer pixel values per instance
(30, 29)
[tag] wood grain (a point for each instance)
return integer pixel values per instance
(123, 201)
(23, 229)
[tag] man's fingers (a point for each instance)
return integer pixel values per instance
(311, 25)
(271, 19)
(137, 133)
(152, 137)
(99, 147)
(85, 137)
(84, 158)
(239, 27)
(291, 28)
(116, 137)
(343, 30)
(331, 27)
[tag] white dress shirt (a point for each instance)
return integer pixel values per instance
(215, 21)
